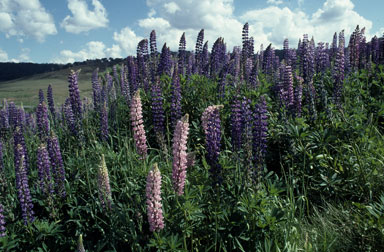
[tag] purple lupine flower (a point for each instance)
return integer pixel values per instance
(2, 221)
(18, 139)
(12, 114)
(245, 48)
(333, 49)
(199, 50)
(205, 60)
(179, 152)
(236, 124)
(153, 194)
(260, 131)
(74, 95)
(268, 58)
(142, 61)
(375, 51)
(212, 124)
(338, 70)
(41, 96)
(218, 56)
(354, 48)
(51, 103)
(96, 88)
(104, 188)
(69, 117)
(136, 114)
(4, 123)
(22, 187)
(165, 62)
(132, 74)
(298, 96)
(288, 87)
(44, 170)
(42, 120)
(57, 164)
(307, 59)
(157, 109)
(153, 47)
(287, 55)
(321, 58)
(104, 122)
(175, 99)
(182, 55)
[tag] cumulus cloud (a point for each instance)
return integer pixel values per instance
(276, 2)
(273, 24)
(125, 44)
(92, 50)
(83, 19)
(25, 18)
(127, 40)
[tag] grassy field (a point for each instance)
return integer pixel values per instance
(25, 90)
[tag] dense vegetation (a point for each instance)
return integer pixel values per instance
(204, 151)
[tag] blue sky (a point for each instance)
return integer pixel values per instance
(74, 30)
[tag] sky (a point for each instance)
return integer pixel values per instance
(64, 31)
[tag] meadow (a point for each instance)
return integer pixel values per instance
(210, 150)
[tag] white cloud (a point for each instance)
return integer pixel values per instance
(276, 2)
(93, 50)
(171, 7)
(273, 24)
(83, 19)
(3, 56)
(25, 18)
(24, 55)
(127, 40)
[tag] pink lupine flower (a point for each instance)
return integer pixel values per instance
(104, 187)
(154, 206)
(179, 151)
(137, 125)
(205, 116)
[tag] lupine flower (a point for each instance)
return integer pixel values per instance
(175, 99)
(2, 221)
(41, 96)
(57, 163)
(260, 131)
(182, 55)
(74, 94)
(132, 74)
(206, 115)
(165, 63)
(105, 194)
(96, 88)
(338, 70)
(4, 123)
(51, 103)
(18, 139)
(218, 56)
(179, 151)
(22, 187)
(205, 60)
(42, 120)
(153, 48)
(137, 125)
(157, 109)
(44, 170)
(80, 245)
(288, 87)
(104, 122)
(69, 117)
(154, 206)
(12, 114)
(199, 50)
(236, 124)
(213, 139)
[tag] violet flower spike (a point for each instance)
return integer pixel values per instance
(154, 205)
(139, 136)
(179, 151)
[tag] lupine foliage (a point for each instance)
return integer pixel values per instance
(291, 160)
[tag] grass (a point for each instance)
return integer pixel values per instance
(25, 90)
